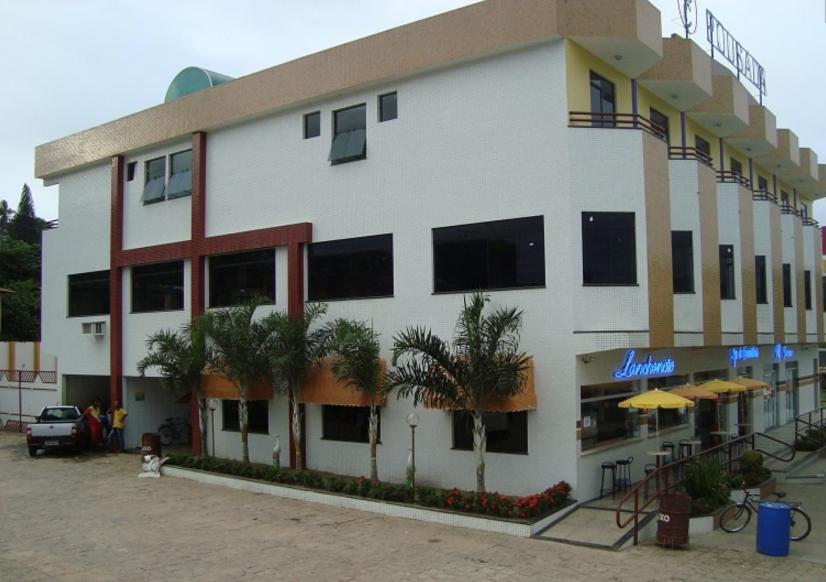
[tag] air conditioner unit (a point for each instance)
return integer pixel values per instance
(94, 328)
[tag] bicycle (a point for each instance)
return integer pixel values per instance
(738, 515)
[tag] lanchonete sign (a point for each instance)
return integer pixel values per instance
(642, 369)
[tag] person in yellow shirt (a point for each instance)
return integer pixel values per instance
(118, 416)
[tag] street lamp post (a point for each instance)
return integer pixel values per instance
(412, 421)
(212, 407)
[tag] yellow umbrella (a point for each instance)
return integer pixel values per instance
(654, 400)
(750, 383)
(722, 386)
(693, 392)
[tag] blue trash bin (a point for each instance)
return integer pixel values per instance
(773, 528)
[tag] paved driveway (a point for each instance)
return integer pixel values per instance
(93, 519)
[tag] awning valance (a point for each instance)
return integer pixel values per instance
(217, 386)
(321, 387)
(750, 383)
(523, 400)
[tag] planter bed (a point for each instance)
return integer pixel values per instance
(513, 526)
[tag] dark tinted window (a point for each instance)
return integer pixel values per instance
(823, 288)
(349, 135)
(89, 294)
(350, 268)
(312, 125)
(603, 101)
(180, 177)
(682, 258)
(258, 418)
(235, 279)
(784, 198)
(158, 287)
(155, 181)
(155, 169)
(727, 290)
(762, 184)
(807, 289)
(507, 432)
(736, 166)
(130, 171)
(609, 251)
(787, 285)
(702, 145)
(388, 107)
(503, 254)
(760, 279)
(660, 123)
(347, 423)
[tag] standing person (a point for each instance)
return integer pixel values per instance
(118, 415)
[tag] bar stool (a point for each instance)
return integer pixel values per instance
(624, 473)
(685, 448)
(650, 468)
(608, 466)
(668, 446)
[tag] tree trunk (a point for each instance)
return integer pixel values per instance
(479, 443)
(373, 435)
(296, 427)
(243, 422)
(203, 407)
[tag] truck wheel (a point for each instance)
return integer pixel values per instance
(32, 451)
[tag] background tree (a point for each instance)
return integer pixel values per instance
(356, 363)
(240, 348)
(297, 347)
(5, 216)
(180, 357)
(25, 225)
(484, 363)
(20, 311)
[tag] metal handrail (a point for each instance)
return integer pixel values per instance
(810, 221)
(671, 476)
(763, 195)
(786, 208)
(732, 177)
(689, 153)
(617, 121)
(820, 424)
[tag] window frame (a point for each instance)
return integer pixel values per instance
(761, 288)
(133, 281)
(653, 112)
(172, 173)
(588, 217)
(314, 294)
(239, 255)
(610, 393)
(597, 82)
(337, 133)
(252, 427)
(89, 275)
(702, 145)
(327, 434)
(726, 294)
(311, 115)
(381, 106)
(807, 289)
(691, 287)
(788, 291)
(515, 421)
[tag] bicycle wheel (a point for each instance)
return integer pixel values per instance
(167, 435)
(801, 524)
(735, 517)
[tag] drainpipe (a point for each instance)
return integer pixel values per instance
(683, 132)
(722, 156)
(634, 103)
(751, 173)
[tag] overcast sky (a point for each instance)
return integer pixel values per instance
(73, 64)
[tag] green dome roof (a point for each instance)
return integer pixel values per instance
(192, 80)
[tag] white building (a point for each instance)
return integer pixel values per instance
(624, 191)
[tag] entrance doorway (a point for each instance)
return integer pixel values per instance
(770, 399)
(792, 390)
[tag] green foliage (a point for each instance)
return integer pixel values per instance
(811, 441)
(180, 356)
(21, 310)
(752, 472)
(19, 261)
(297, 346)
(487, 504)
(25, 225)
(707, 484)
(355, 349)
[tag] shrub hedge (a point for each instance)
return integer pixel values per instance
(486, 504)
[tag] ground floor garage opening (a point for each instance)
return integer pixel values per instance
(81, 390)
(152, 408)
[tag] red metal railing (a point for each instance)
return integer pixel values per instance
(689, 153)
(617, 121)
(643, 494)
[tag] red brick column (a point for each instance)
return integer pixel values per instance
(197, 260)
(295, 307)
(116, 283)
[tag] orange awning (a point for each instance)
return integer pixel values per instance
(523, 400)
(217, 386)
(750, 383)
(321, 387)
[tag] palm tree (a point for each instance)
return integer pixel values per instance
(295, 349)
(483, 363)
(355, 349)
(180, 357)
(239, 348)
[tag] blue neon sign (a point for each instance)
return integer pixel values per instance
(782, 352)
(647, 367)
(742, 353)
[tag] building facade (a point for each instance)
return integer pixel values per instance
(623, 190)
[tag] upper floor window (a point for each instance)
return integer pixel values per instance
(807, 289)
(89, 294)
(130, 171)
(388, 106)
(503, 254)
(603, 101)
(609, 248)
(702, 146)
(762, 184)
(727, 288)
(784, 198)
(347, 423)
(760, 284)
(787, 285)
(660, 123)
(240, 277)
(157, 188)
(682, 260)
(312, 125)
(158, 287)
(507, 432)
(352, 268)
(804, 212)
(736, 166)
(349, 135)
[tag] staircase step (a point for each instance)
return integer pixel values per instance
(590, 527)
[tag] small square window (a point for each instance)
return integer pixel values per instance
(312, 125)
(130, 171)
(388, 106)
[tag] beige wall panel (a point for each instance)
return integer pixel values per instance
(658, 235)
(749, 298)
(710, 252)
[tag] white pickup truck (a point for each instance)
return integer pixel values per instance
(57, 427)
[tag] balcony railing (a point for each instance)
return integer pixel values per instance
(810, 222)
(616, 121)
(732, 177)
(763, 195)
(786, 208)
(688, 153)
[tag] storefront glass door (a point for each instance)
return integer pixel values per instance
(770, 400)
